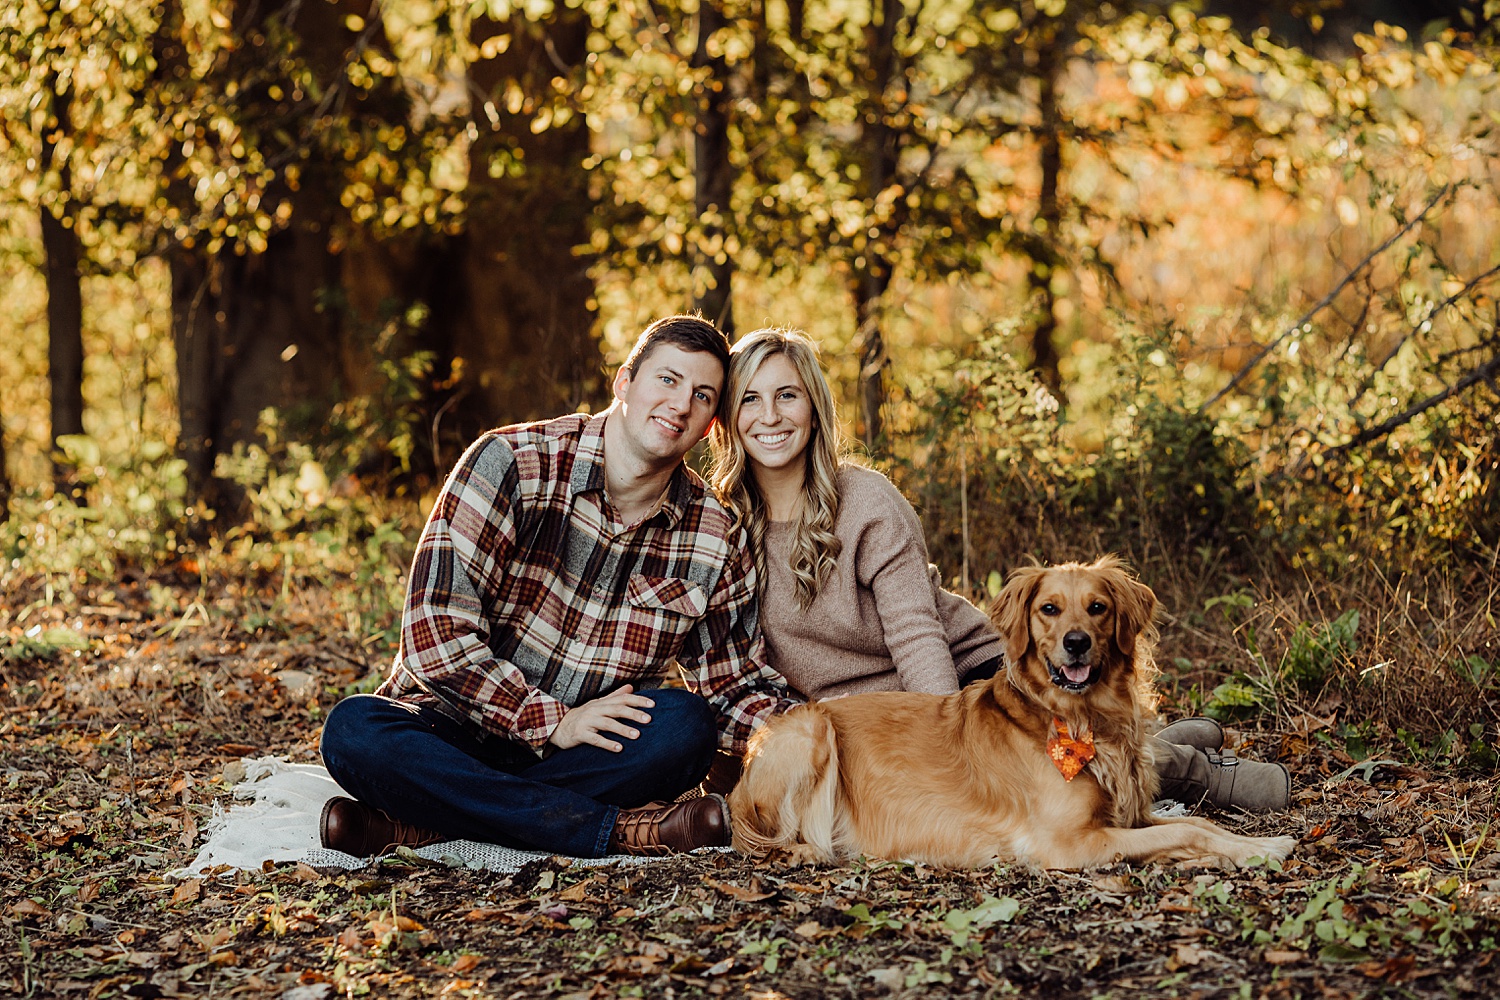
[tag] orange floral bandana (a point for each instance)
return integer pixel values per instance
(1070, 755)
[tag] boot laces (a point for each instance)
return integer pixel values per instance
(409, 835)
(638, 830)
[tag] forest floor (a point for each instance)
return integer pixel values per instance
(121, 725)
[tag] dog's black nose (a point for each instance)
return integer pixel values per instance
(1077, 643)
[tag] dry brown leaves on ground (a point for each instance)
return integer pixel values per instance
(115, 746)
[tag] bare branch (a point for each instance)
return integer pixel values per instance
(1484, 373)
(1469, 286)
(1323, 303)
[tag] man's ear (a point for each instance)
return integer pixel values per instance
(622, 380)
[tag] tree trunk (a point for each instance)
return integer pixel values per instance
(515, 302)
(64, 298)
(258, 330)
(194, 340)
(1042, 300)
(712, 177)
(5, 486)
(881, 150)
(249, 334)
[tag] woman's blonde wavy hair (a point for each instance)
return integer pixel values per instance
(815, 548)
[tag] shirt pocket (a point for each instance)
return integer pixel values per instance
(660, 612)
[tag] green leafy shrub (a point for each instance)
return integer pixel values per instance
(130, 513)
(1314, 652)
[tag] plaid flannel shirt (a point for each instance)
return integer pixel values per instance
(525, 599)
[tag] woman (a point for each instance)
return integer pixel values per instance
(849, 603)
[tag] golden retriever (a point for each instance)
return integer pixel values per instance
(963, 780)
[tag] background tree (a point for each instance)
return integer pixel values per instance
(513, 299)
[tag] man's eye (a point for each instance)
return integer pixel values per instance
(702, 395)
(1049, 609)
(1097, 608)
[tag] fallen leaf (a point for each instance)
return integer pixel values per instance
(1276, 957)
(577, 892)
(1118, 885)
(482, 913)
(30, 908)
(808, 930)
(189, 830)
(464, 963)
(750, 895)
(1189, 954)
(188, 891)
(88, 891)
(1397, 969)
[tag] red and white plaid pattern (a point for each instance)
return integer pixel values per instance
(524, 598)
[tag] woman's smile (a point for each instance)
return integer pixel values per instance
(775, 419)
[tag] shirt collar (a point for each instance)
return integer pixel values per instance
(588, 460)
(588, 472)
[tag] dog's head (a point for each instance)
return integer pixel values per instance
(1075, 626)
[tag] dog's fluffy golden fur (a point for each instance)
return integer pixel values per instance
(962, 780)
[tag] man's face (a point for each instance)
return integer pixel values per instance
(669, 405)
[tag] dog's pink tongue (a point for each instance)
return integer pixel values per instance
(1077, 674)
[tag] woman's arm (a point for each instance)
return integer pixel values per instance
(891, 564)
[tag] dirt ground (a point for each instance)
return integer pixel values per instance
(118, 724)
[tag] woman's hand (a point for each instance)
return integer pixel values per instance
(587, 723)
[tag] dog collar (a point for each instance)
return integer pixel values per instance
(1070, 755)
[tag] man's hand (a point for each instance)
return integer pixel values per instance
(587, 723)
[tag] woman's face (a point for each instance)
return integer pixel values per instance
(775, 420)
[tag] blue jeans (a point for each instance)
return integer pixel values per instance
(423, 768)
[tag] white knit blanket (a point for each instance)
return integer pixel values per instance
(275, 818)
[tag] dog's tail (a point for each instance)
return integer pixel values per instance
(788, 797)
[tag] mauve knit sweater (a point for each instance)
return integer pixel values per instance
(880, 622)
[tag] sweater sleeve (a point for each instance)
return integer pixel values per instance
(891, 563)
(972, 638)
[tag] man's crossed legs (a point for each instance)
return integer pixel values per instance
(432, 780)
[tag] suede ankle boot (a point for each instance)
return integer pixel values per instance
(1190, 776)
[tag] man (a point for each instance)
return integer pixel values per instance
(565, 566)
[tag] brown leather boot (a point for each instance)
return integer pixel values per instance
(1190, 776)
(363, 831)
(666, 829)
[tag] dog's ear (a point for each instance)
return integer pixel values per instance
(1135, 607)
(1011, 611)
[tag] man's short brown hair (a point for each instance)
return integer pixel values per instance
(690, 333)
(686, 332)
